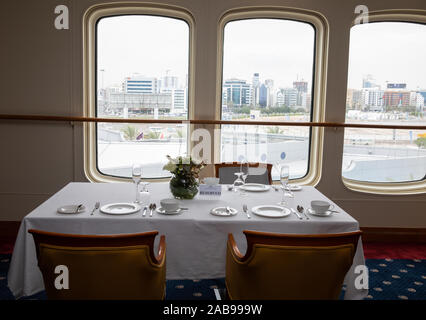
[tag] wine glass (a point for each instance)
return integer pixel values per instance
(277, 166)
(284, 177)
(136, 176)
(238, 182)
(244, 173)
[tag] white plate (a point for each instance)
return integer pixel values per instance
(325, 214)
(162, 211)
(294, 187)
(256, 187)
(120, 208)
(221, 211)
(271, 211)
(71, 209)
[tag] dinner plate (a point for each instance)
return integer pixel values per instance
(256, 187)
(120, 208)
(271, 211)
(222, 212)
(294, 187)
(162, 211)
(71, 209)
(325, 214)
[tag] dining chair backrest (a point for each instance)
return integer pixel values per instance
(101, 267)
(258, 172)
(289, 266)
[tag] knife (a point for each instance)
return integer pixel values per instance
(296, 213)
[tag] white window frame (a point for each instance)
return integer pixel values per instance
(390, 188)
(320, 24)
(91, 16)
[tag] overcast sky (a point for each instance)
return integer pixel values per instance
(276, 49)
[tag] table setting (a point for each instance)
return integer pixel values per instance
(196, 226)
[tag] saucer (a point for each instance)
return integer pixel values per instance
(222, 212)
(71, 209)
(163, 211)
(325, 214)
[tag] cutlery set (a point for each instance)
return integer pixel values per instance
(151, 207)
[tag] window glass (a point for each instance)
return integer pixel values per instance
(386, 85)
(142, 73)
(267, 76)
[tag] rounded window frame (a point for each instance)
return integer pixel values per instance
(90, 20)
(320, 24)
(390, 188)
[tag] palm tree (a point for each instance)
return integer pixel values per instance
(129, 132)
(274, 130)
(179, 133)
(153, 135)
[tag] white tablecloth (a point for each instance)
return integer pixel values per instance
(195, 239)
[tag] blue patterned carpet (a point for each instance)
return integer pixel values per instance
(398, 279)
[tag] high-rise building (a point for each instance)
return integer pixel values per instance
(373, 98)
(255, 89)
(301, 86)
(179, 99)
(396, 98)
(368, 82)
(263, 95)
(169, 82)
(140, 84)
(271, 98)
(287, 97)
(236, 92)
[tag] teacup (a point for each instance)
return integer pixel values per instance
(169, 204)
(320, 206)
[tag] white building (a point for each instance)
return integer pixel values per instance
(287, 97)
(179, 99)
(373, 98)
(140, 84)
(417, 100)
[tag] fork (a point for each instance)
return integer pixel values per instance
(245, 210)
(97, 204)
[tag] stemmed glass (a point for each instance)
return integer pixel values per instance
(238, 182)
(284, 177)
(136, 176)
(244, 173)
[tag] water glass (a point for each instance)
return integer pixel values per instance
(136, 176)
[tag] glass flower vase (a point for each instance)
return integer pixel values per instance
(183, 187)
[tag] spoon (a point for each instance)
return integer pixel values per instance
(301, 210)
(78, 208)
(154, 206)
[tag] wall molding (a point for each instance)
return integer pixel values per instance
(393, 235)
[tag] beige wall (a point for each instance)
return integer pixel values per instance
(41, 73)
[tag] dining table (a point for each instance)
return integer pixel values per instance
(195, 238)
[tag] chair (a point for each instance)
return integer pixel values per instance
(289, 266)
(258, 172)
(102, 267)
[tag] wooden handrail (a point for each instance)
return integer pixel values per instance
(211, 122)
